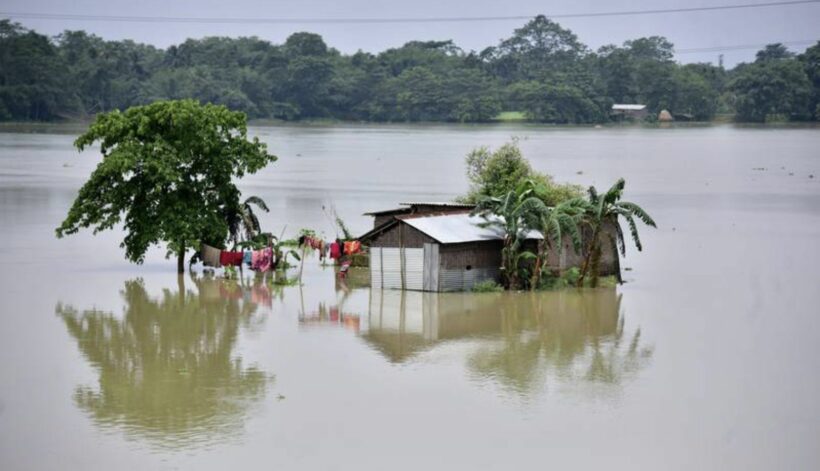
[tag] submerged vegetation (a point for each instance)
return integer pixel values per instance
(608, 209)
(541, 73)
(517, 200)
(487, 286)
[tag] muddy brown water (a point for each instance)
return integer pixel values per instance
(708, 357)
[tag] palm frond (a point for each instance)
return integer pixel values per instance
(552, 232)
(633, 229)
(258, 202)
(592, 194)
(638, 212)
(614, 194)
(526, 255)
(570, 225)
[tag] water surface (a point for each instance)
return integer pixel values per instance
(706, 358)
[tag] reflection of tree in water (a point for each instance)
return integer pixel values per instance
(165, 366)
(570, 336)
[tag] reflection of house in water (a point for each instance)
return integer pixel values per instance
(514, 338)
(331, 316)
(166, 366)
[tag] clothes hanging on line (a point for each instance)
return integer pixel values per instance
(232, 259)
(352, 247)
(210, 256)
(345, 268)
(335, 250)
(261, 260)
(246, 257)
(320, 246)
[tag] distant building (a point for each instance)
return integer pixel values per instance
(629, 111)
(443, 248)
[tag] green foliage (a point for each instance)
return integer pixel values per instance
(566, 279)
(606, 210)
(811, 64)
(530, 203)
(496, 173)
(542, 70)
(487, 286)
(343, 227)
(558, 103)
(167, 175)
(771, 86)
(243, 223)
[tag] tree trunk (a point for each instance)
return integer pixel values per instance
(587, 255)
(596, 265)
(181, 258)
(540, 260)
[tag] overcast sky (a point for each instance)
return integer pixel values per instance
(686, 30)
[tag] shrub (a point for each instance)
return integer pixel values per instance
(488, 286)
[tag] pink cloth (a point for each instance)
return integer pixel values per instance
(261, 259)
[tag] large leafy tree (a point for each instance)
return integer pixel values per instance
(495, 173)
(167, 175)
(811, 63)
(603, 210)
(771, 87)
(538, 50)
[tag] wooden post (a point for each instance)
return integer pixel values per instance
(401, 254)
(301, 264)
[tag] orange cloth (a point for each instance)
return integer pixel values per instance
(352, 247)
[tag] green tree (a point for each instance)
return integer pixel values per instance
(811, 64)
(771, 87)
(538, 50)
(606, 210)
(495, 173)
(32, 83)
(556, 103)
(167, 174)
(776, 51)
(694, 96)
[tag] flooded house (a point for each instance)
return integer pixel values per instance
(441, 247)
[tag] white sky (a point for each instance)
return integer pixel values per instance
(685, 30)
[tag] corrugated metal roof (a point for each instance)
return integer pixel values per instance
(459, 228)
(387, 211)
(445, 204)
(622, 107)
(409, 206)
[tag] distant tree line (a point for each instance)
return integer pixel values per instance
(542, 70)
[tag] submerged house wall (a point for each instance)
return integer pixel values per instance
(463, 265)
(568, 257)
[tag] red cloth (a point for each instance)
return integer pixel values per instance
(230, 258)
(335, 250)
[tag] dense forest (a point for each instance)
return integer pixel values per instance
(542, 71)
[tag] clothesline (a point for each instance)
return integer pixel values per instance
(265, 259)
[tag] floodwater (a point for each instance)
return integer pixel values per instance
(707, 358)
